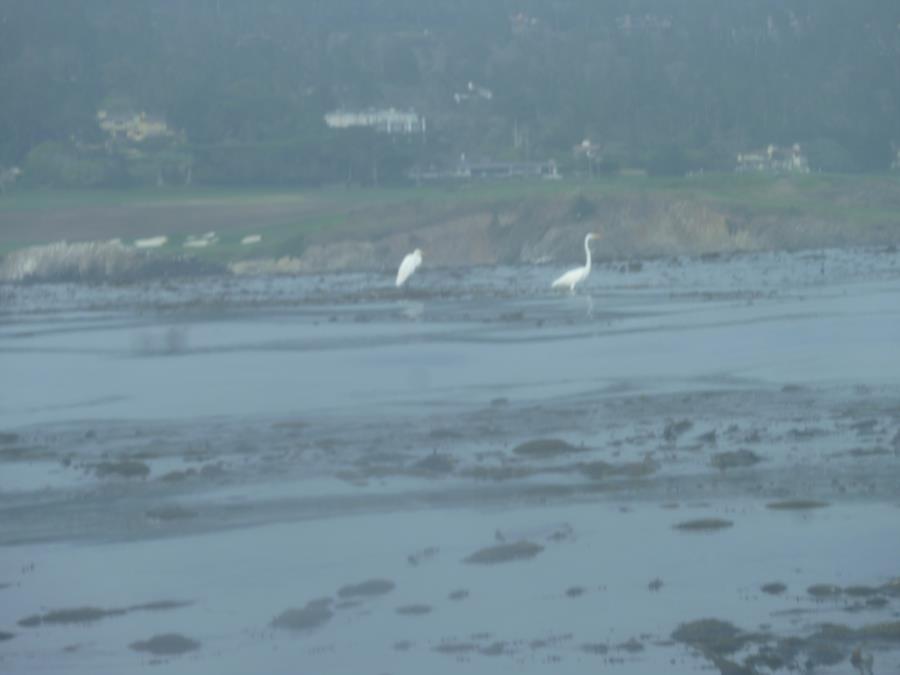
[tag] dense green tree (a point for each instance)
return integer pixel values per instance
(656, 84)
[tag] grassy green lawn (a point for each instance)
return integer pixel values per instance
(730, 187)
(40, 199)
(288, 219)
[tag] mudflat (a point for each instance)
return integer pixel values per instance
(688, 465)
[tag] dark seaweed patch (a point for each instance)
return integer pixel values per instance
(313, 615)
(419, 557)
(796, 505)
(674, 429)
(599, 469)
(710, 635)
(20, 452)
(888, 631)
(455, 647)
(434, 465)
(498, 473)
(444, 434)
(413, 610)
(178, 475)
(124, 469)
(829, 645)
(74, 615)
(169, 513)
(868, 452)
(733, 460)
(773, 588)
(865, 427)
(806, 434)
(366, 588)
(708, 438)
(520, 550)
(822, 591)
(546, 448)
(596, 470)
(596, 648)
(159, 605)
(493, 649)
(168, 644)
(703, 524)
(632, 646)
(91, 614)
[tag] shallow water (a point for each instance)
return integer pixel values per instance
(251, 445)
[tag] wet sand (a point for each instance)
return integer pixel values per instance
(693, 465)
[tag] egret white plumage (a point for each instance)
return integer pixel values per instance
(575, 276)
(410, 262)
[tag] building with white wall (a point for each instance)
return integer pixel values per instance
(387, 121)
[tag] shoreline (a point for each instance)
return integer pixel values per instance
(345, 230)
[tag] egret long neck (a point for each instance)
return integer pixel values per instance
(587, 252)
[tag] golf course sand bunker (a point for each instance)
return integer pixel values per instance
(689, 465)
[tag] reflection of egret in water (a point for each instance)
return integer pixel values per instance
(166, 341)
(589, 306)
(413, 310)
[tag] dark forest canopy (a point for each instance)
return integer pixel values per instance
(655, 84)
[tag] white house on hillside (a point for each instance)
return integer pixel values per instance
(388, 121)
(473, 91)
(132, 126)
(774, 160)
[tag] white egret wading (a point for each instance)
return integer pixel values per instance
(579, 274)
(410, 262)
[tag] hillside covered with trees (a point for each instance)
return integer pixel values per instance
(241, 88)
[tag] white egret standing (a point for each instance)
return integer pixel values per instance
(410, 262)
(579, 274)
